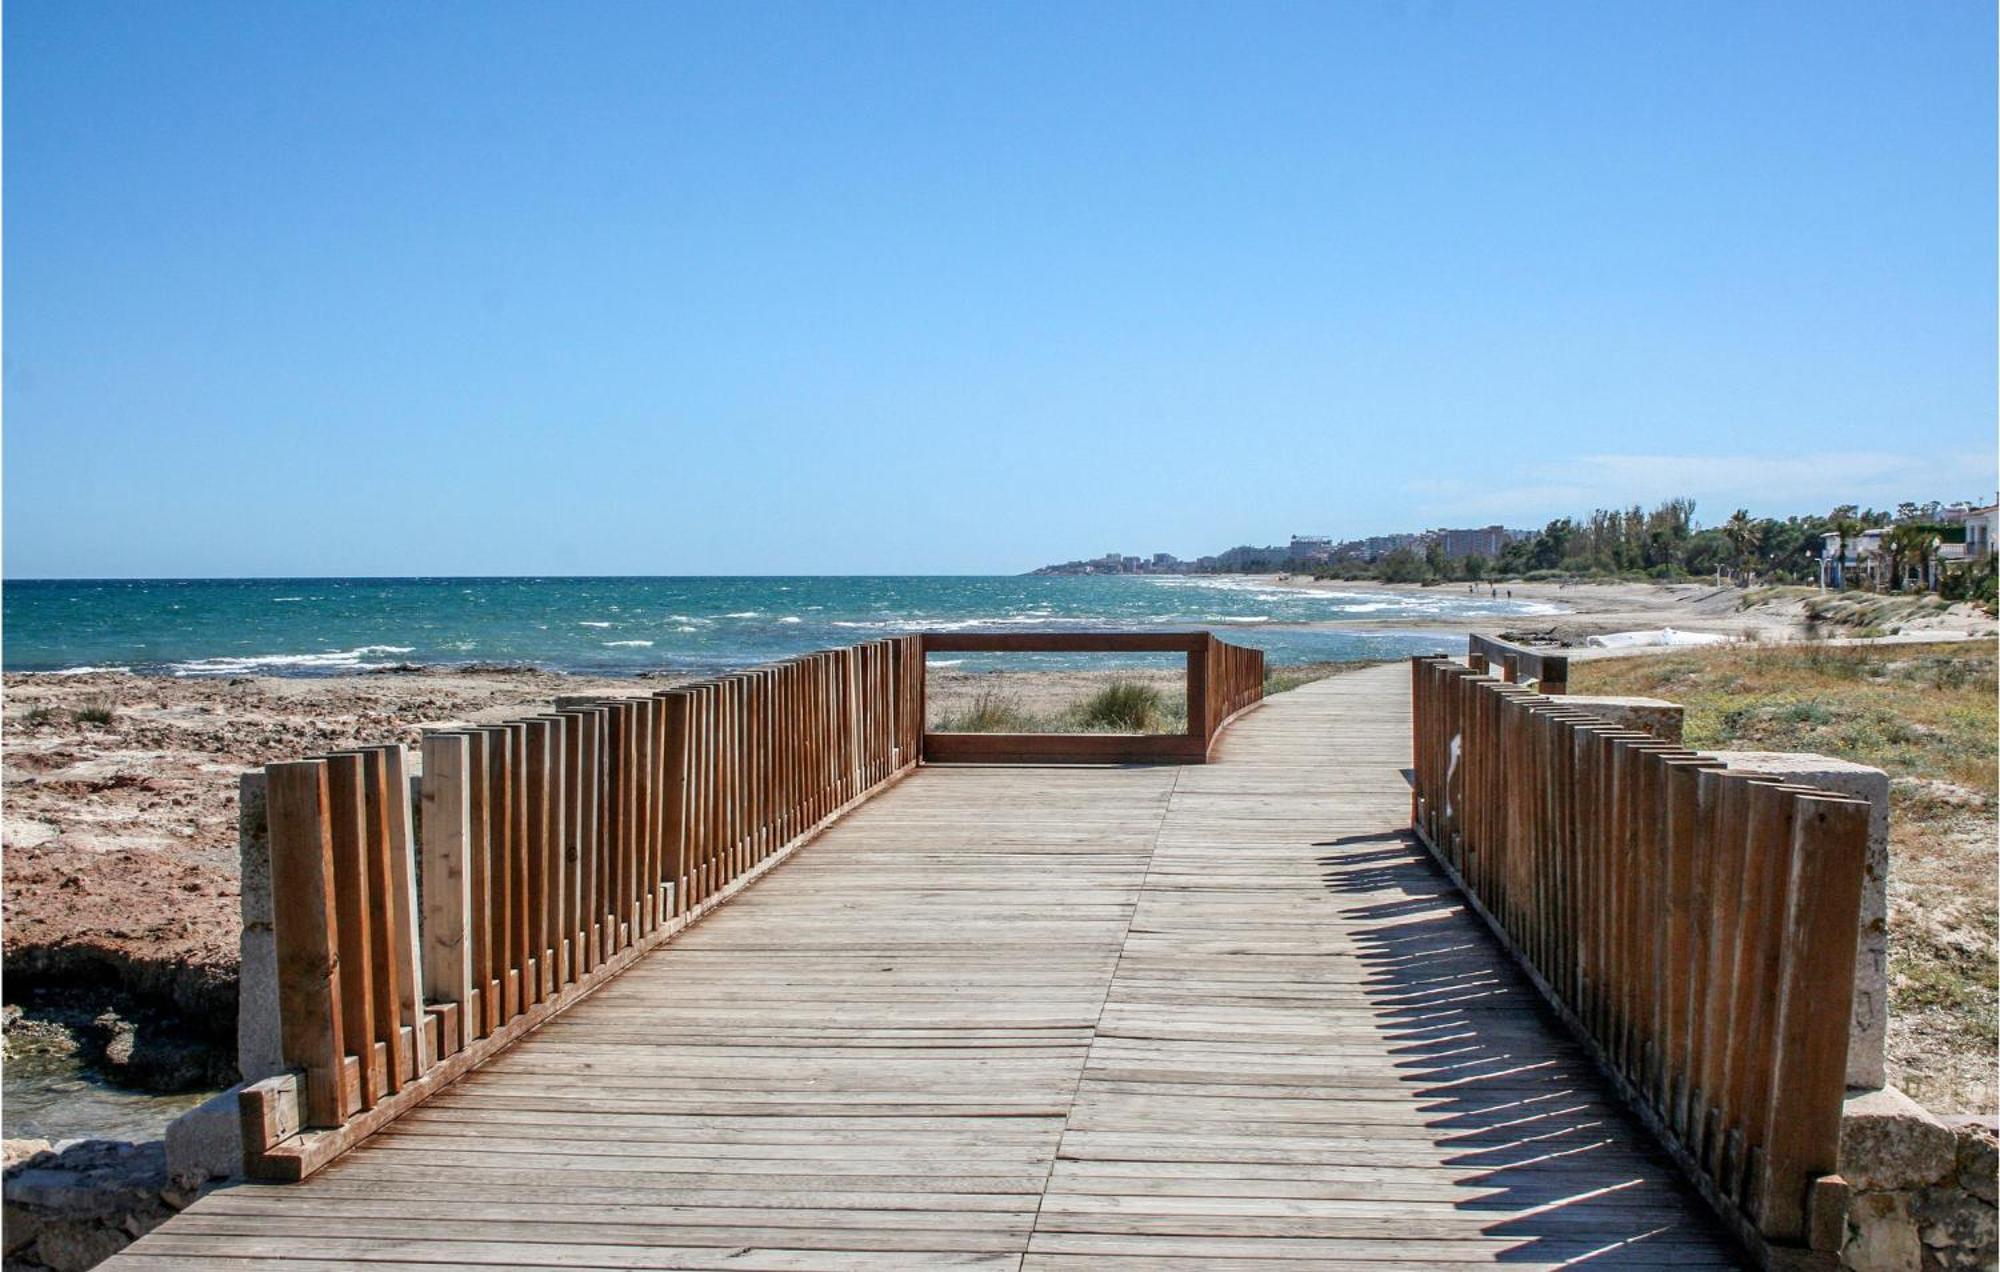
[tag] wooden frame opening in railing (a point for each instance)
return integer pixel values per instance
(1222, 681)
(1514, 663)
(554, 851)
(1695, 927)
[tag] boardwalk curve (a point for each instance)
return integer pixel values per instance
(1016, 1017)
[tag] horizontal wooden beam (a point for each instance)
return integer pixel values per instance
(1066, 642)
(1527, 661)
(1064, 748)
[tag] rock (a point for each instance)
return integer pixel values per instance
(206, 1142)
(1978, 1156)
(14, 1151)
(1881, 1235)
(1888, 1141)
(70, 1248)
(20, 1226)
(1957, 1229)
(74, 1207)
(152, 1053)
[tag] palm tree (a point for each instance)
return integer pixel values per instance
(1741, 532)
(1848, 529)
(1910, 543)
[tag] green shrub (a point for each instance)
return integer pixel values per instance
(95, 711)
(1124, 706)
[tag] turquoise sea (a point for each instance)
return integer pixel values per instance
(224, 627)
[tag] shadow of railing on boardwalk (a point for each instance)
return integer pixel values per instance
(1508, 1097)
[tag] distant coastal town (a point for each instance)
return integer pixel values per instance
(1306, 552)
(1952, 549)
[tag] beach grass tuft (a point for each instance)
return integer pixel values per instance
(97, 710)
(1123, 706)
(991, 711)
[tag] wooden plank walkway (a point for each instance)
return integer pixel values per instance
(1219, 1016)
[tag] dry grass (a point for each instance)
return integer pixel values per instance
(1119, 705)
(1925, 714)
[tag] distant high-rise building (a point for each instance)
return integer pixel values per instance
(1487, 542)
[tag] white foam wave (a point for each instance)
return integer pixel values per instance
(590, 624)
(613, 644)
(79, 671)
(791, 618)
(745, 614)
(248, 664)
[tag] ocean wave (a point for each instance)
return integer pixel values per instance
(248, 664)
(586, 623)
(78, 671)
(745, 614)
(276, 599)
(612, 644)
(791, 618)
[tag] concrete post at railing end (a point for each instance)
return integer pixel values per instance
(259, 1050)
(1868, 1039)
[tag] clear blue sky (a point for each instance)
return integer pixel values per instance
(674, 288)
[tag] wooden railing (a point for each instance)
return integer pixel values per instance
(1514, 662)
(1222, 680)
(421, 926)
(555, 849)
(1695, 927)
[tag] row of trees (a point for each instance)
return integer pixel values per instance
(1663, 542)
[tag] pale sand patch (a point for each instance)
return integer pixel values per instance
(1592, 609)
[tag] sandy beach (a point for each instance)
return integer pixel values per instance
(1592, 609)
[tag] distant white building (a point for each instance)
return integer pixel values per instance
(1859, 560)
(1968, 536)
(1980, 542)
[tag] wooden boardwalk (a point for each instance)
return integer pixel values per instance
(1219, 1016)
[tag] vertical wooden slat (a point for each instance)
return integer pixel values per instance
(347, 820)
(403, 891)
(447, 876)
(389, 941)
(305, 924)
(1826, 862)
